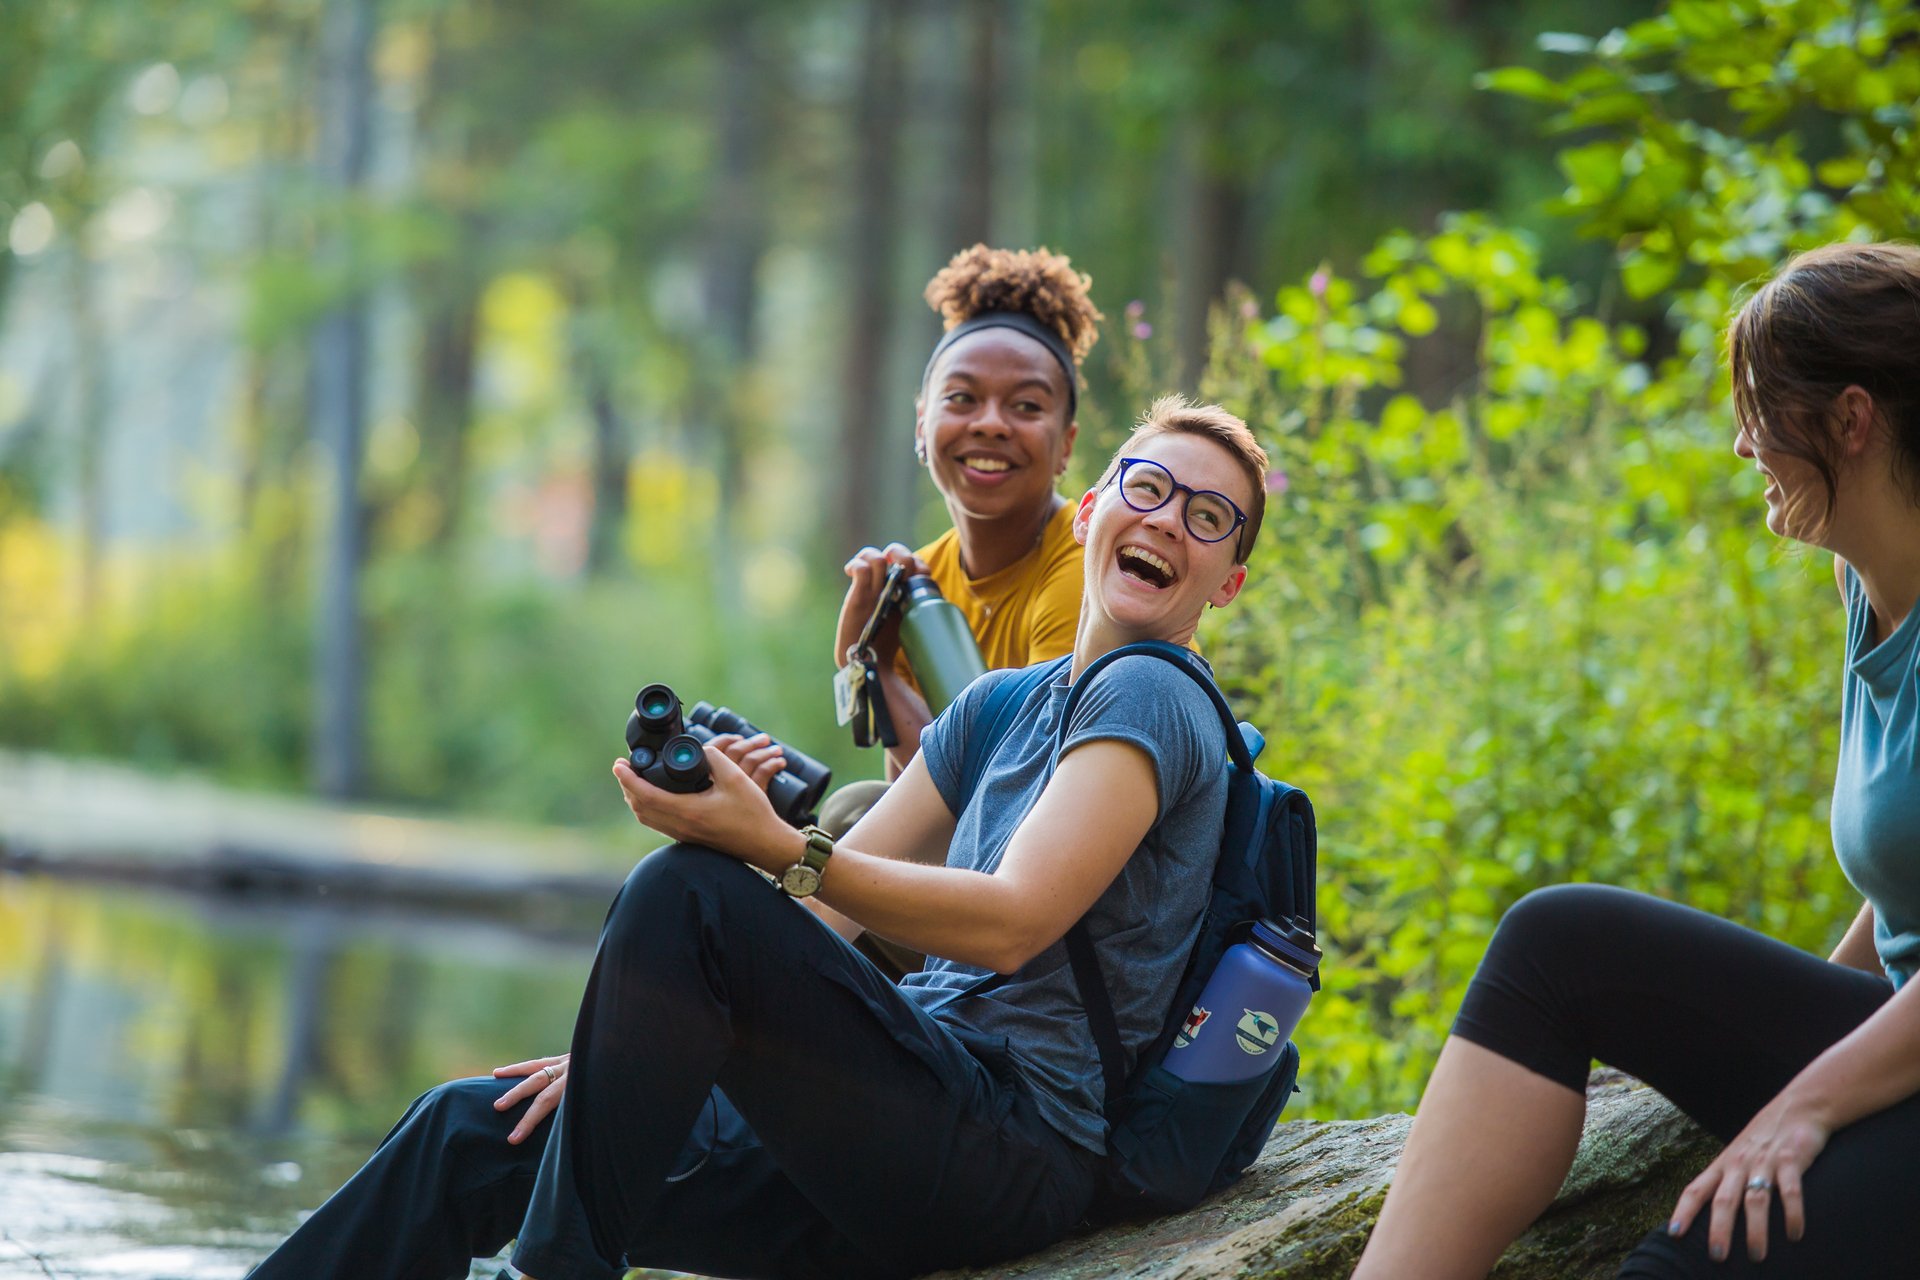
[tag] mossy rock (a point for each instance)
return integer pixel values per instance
(1304, 1210)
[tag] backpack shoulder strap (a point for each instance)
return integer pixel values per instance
(1096, 1000)
(996, 717)
(1188, 661)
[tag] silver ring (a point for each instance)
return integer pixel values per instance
(552, 1075)
(1759, 1183)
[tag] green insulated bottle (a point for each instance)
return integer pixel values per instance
(938, 644)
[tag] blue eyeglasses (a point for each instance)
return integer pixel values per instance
(1209, 516)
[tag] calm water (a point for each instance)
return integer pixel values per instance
(181, 1076)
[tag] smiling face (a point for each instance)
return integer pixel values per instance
(1795, 494)
(1148, 578)
(992, 423)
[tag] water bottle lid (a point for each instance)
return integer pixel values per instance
(1288, 943)
(921, 587)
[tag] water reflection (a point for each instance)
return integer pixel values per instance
(179, 1076)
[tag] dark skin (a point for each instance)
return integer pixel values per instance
(992, 426)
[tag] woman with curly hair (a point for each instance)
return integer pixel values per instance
(1808, 1069)
(994, 425)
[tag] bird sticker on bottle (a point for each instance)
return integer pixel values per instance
(1258, 1032)
(1191, 1027)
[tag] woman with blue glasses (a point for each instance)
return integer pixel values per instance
(746, 1095)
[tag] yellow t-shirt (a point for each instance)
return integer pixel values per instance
(1027, 612)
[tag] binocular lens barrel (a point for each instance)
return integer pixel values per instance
(721, 719)
(683, 759)
(796, 789)
(658, 708)
(667, 751)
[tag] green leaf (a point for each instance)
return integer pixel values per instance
(1594, 170)
(1843, 171)
(1401, 418)
(1645, 274)
(1521, 82)
(1417, 317)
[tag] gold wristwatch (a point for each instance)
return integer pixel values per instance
(802, 879)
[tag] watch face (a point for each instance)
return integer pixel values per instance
(800, 880)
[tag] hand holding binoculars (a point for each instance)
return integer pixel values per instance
(667, 748)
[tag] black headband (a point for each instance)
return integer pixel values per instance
(1046, 335)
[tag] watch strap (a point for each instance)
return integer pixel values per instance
(819, 847)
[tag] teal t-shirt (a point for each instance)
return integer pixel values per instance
(1876, 789)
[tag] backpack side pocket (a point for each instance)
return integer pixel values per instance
(1182, 1140)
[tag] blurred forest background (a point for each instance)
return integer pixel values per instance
(388, 388)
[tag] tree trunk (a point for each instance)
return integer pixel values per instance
(736, 242)
(862, 447)
(1213, 249)
(970, 204)
(339, 408)
(446, 397)
(91, 385)
(610, 453)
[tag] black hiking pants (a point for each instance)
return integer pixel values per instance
(1718, 1018)
(748, 1096)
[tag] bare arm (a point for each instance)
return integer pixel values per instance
(1856, 949)
(910, 714)
(1873, 1067)
(1098, 806)
(1096, 809)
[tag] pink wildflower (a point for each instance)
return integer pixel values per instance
(1143, 331)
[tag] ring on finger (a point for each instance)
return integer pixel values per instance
(553, 1075)
(1759, 1182)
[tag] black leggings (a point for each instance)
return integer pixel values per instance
(1718, 1018)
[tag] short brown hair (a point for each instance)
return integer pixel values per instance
(1843, 315)
(1177, 415)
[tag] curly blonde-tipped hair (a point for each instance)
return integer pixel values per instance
(1042, 284)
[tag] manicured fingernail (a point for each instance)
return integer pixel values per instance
(1718, 1252)
(1673, 1227)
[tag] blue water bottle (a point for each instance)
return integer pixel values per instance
(1249, 1007)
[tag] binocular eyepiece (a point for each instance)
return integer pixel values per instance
(666, 747)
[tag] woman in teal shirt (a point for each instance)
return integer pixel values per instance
(1809, 1069)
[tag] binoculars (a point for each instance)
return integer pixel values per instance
(666, 748)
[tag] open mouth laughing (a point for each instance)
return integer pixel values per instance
(1147, 567)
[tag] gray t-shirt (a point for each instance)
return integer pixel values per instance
(1144, 923)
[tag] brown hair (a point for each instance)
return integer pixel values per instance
(1177, 415)
(1042, 284)
(1843, 315)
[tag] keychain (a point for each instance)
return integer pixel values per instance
(857, 697)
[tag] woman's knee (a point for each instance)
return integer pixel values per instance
(455, 1116)
(1564, 919)
(671, 884)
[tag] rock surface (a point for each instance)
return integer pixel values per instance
(1304, 1210)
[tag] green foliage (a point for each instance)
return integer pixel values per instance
(1726, 133)
(1531, 635)
(1536, 632)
